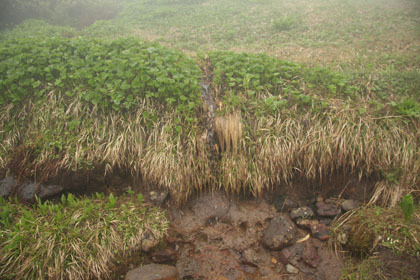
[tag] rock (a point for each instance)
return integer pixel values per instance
(301, 212)
(49, 190)
(153, 272)
(158, 197)
(327, 209)
(163, 256)
(27, 191)
(305, 223)
(6, 186)
(291, 269)
(320, 231)
(342, 238)
(284, 256)
(310, 255)
(350, 204)
(284, 204)
(279, 233)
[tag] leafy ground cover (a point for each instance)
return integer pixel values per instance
(78, 238)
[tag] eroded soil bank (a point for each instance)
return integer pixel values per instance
(221, 238)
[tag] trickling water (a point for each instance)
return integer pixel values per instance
(209, 107)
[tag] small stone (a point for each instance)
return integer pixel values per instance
(301, 212)
(310, 255)
(284, 256)
(153, 272)
(291, 269)
(342, 238)
(350, 204)
(284, 204)
(306, 223)
(320, 231)
(6, 186)
(279, 233)
(328, 210)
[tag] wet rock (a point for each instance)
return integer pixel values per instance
(49, 190)
(153, 272)
(284, 256)
(158, 197)
(320, 231)
(310, 255)
(279, 234)
(28, 191)
(327, 209)
(350, 204)
(301, 212)
(6, 186)
(284, 204)
(291, 269)
(164, 256)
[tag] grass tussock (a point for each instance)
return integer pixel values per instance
(74, 239)
(79, 137)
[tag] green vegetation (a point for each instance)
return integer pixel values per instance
(386, 242)
(303, 90)
(78, 238)
(110, 75)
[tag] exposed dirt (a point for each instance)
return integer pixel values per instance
(220, 238)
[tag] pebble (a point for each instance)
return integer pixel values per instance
(301, 212)
(291, 269)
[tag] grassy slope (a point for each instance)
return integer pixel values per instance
(312, 122)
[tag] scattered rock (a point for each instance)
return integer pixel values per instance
(164, 256)
(279, 233)
(350, 204)
(153, 272)
(327, 209)
(158, 197)
(310, 255)
(301, 212)
(6, 186)
(291, 269)
(320, 231)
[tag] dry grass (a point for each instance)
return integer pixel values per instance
(78, 239)
(257, 154)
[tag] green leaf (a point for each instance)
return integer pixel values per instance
(407, 206)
